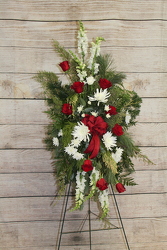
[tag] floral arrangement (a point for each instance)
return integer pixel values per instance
(90, 115)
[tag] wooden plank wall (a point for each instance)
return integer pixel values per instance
(135, 33)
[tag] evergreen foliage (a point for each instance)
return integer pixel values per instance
(65, 135)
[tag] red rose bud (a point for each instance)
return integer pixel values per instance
(104, 83)
(120, 188)
(117, 130)
(66, 109)
(64, 65)
(112, 110)
(87, 166)
(78, 87)
(102, 184)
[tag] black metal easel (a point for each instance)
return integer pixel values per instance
(88, 217)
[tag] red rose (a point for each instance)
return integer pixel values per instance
(66, 109)
(117, 130)
(112, 110)
(77, 86)
(64, 65)
(104, 83)
(120, 188)
(87, 166)
(102, 184)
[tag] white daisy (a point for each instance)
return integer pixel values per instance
(77, 156)
(81, 132)
(71, 150)
(90, 80)
(109, 140)
(75, 142)
(117, 155)
(100, 96)
(55, 141)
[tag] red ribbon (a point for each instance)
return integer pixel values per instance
(97, 127)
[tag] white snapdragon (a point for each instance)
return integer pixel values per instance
(80, 187)
(94, 52)
(127, 117)
(100, 96)
(117, 155)
(109, 140)
(94, 177)
(55, 141)
(82, 41)
(81, 74)
(103, 198)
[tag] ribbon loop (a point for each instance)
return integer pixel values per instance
(97, 127)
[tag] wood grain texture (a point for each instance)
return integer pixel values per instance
(116, 33)
(27, 235)
(126, 59)
(135, 33)
(38, 208)
(78, 10)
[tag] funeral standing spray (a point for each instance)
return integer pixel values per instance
(90, 116)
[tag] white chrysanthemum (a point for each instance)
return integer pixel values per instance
(94, 113)
(55, 141)
(117, 155)
(100, 96)
(90, 80)
(81, 132)
(71, 150)
(109, 140)
(80, 108)
(75, 142)
(127, 117)
(106, 108)
(60, 132)
(77, 156)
